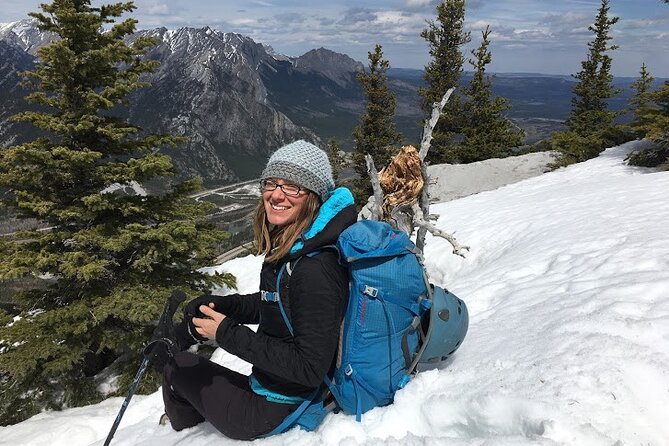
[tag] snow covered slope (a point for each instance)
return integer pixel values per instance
(567, 283)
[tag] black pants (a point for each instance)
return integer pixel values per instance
(196, 389)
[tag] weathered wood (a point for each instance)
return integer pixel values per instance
(376, 187)
(401, 180)
(437, 108)
(401, 218)
(401, 190)
(422, 223)
(424, 202)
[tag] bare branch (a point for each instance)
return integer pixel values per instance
(401, 195)
(401, 218)
(376, 187)
(424, 202)
(420, 221)
(429, 125)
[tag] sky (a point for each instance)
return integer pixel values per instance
(567, 286)
(539, 36)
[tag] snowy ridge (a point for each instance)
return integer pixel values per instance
(205, 42)
(25, 35)
(210, 53)
(567, 285)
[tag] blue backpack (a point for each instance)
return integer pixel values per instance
(395, 319)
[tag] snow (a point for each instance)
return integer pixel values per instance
(461, 180)
(136, 188)
(567, 283)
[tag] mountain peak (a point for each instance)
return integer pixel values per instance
(26, 35)
(335, 66)
(323, 57)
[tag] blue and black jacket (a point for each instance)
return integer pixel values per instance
(314, 296)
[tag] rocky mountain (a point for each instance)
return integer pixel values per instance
(233, 98)
(236, 99)
(339, 68)
(210, 87)
(13, 60)
(25, 35)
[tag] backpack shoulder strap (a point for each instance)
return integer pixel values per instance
(289, 267)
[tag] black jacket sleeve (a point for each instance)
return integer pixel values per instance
(318, 295)
(243, 308)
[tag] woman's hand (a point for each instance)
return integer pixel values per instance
(208, 325)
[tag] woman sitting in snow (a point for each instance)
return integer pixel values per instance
(299, 212)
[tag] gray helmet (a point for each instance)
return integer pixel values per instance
(448, 323)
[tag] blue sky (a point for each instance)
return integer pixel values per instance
(541, 36)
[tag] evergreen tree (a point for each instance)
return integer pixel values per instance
(653, 124)
(487, 132)
(590, 112)
(337, 160)
(590, 123)
(641, 99)
(445, 37)
(376, 134)
(111, 258)
(658, 118)
(642, 87)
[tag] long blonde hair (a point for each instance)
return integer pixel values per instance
(275, 242)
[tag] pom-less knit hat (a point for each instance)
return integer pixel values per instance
(303, 163)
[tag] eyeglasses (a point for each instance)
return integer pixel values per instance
(291, 190)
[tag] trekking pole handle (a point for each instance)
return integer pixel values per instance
(171, 305)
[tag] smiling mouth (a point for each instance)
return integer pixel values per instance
(279, 208)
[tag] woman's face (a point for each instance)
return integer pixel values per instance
(282, 209)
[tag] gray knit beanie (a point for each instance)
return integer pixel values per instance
(304, 164)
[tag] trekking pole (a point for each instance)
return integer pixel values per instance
(170, 308)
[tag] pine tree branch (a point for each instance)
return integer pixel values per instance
(422, 223)
(429, 125)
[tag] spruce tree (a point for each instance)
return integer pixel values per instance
(487, 132)
(445, 37)
(658, 116)
(642, 87)
(111, 258)
(590, 124)
(641, 99)
(337, 161)
(653, 124)
(590, 112)
(376, 134)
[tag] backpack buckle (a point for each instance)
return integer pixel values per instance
(348, 371)
(370, 291)
(268, 296)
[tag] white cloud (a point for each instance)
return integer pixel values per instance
(417, 3)
(158, 9)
